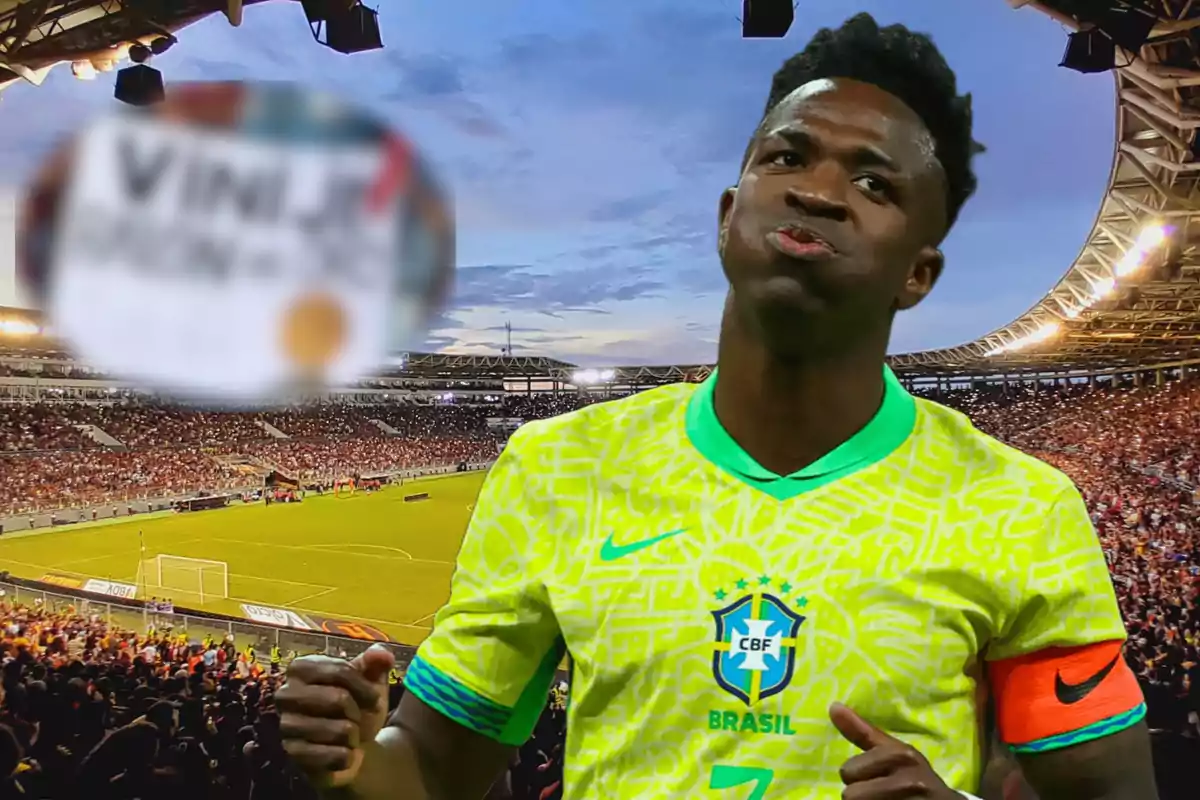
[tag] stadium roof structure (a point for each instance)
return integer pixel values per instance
(1125, 301)
(36, 35)
(445, 366)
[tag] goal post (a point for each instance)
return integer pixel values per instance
(201, 578)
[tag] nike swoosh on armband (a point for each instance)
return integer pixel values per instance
(1071, 693)
(611, 551)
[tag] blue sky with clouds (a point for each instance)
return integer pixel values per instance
(586, 144)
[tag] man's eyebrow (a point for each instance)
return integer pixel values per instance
(861, 155)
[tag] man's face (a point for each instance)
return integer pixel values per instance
(835, 221)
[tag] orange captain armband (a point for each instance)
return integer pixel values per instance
(1062, 696)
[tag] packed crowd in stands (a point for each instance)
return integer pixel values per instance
(89, 709)
(323, 460)
(1134, 452)
(76, 479)
(71, 455)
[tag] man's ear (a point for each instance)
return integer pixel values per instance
(723, 210)
(922, 276)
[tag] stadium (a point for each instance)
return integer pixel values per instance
(254, 531)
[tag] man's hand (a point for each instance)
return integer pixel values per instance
(329, 708)
(887, 769)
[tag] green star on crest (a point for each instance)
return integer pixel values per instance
(742, 584)
(719, 594)
(802, 602)
(764, 581)
(785, 587)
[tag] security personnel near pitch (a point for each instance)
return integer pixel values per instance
(276, 658)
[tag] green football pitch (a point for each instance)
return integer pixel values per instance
(371, 559)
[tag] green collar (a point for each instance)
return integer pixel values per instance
(886, 431)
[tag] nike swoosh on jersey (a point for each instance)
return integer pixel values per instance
(1071, 693)
(611, 551)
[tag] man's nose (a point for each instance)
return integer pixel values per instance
(819, 194)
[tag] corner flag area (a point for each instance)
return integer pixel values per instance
(367, 559)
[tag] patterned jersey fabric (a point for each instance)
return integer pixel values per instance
(713, 610)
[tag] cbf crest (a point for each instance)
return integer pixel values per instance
(754, 654)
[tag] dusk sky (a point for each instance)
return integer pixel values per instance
(587, 143)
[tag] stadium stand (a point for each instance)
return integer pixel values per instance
(1133, 450)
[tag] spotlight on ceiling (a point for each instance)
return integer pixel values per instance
(139, 53)
(1089, 52)
(767, 19)
(1105, 27)
(140, 85)
(346, 26)
(162, 44)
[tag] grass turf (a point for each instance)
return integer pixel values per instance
(366, 558)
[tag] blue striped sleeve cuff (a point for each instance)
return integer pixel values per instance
(450, 697)
(1097, 730)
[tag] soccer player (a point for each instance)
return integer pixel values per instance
(794, 580)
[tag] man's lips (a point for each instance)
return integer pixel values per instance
(800, 244)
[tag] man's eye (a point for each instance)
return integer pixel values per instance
(872, 183)
(785, 158)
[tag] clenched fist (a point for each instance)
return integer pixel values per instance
(329, 708)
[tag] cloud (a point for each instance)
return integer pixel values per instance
(424, 76)
(530, 288)
(628, 208)
(436, 83)
(436, 342)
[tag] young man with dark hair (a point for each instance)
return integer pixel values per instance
(794, 580)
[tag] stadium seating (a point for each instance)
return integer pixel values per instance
(49, 460)
(1134, 453)
(88, 710)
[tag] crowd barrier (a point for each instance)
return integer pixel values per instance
(135, 615)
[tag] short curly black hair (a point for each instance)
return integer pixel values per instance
(905, 64)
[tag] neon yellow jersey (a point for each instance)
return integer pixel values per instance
(713, 610)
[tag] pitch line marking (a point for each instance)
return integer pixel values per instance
(90, 559)
(51, 569)
(350, 617)
(312, 596)
(45, 570)
(321, 548)
(349, 548)
(340, 616)
(322, 586)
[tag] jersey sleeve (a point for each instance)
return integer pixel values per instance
(1057, 672)
(495, 645)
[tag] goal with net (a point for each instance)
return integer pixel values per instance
(195, 578)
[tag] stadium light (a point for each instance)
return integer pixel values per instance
(587, 377)
(1103, 288)
(18, 327)
(1149, 239)
(1040, 335)
(83, 70)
